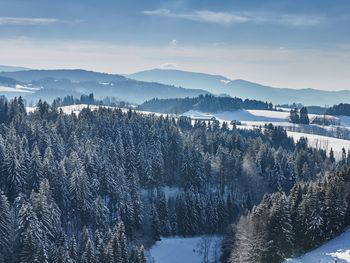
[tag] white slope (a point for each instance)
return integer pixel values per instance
(184, 250)
(257, 118)
(18, 88)
(76, 109)
(322, 142)
(249, 119)
(335, 250)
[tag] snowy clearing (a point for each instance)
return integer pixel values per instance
(336, 250)
(183, 250)
(322, 142)
(255, 118)
(249, 119)
(76, 109)
(17, 88)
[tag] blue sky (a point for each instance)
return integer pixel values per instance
(284, 43)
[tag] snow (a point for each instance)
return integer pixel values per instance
(322, 142)
(182, 250)
(256, 118)
(336, 250)
(249, 120)
(17, 88)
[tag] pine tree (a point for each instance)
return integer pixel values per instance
(35, 174)
(155, 224)
(304, 117)
(5, 228)
(33, 244)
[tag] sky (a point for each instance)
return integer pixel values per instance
(281, 43)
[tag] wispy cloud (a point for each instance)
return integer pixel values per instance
(281, 67)
(229, 18)
(26, 21)
(168, 65)
(200, 16)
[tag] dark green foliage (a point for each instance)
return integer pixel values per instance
(207, 103)
(342, 109)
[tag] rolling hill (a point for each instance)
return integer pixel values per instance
(241, 88)
(49, 84)
(5, 68)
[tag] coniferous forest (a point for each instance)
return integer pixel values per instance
(105, 185)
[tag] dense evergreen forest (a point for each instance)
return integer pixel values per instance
(94, 187)
(285, 225)
(206, 103)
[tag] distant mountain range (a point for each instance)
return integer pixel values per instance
(4, 68)
(240, 88)
(49, 84)
(155, 83)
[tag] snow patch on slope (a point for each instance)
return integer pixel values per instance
(336, 250)
(182, 250)
(18, 88)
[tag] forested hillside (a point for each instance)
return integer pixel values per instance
(49, 84)
(283, 225)
(206, 103)
(342, 109)
(94, 187)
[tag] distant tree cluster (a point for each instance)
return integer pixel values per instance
(103, 185)
(206, 103)
(299, 117)
(342, 109)
(88, 99)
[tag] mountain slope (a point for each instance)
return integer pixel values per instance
(240, 88)
(336, 250)
(191, 80)
(59, 83)
(4, 68)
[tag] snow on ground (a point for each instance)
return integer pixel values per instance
(249, 120)
(184, 250)
(257, 118)
(18, 88)
(322, 142)
(76, 109)
(336, 250)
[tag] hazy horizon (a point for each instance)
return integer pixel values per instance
(288, 45)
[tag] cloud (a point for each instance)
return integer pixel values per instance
(229, 18)
(25, 21)
(174, 42)
(201, 16)
(169, 65)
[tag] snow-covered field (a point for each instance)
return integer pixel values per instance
(257, 118)
(322, 142)
(336, 250)
(76, 109)
(185, 250)
(18, 89)
(249, 120)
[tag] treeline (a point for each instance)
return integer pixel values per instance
(90, 100)
(94, 187)
(206, 103)
(283, 226)
(342, 109)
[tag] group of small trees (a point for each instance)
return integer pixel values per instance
(299, 117)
